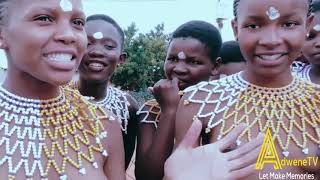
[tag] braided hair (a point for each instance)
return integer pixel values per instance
(236, 4)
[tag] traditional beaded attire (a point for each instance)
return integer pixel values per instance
(48, 135)
(301, 70)
(291, 109)
(149, 108)
(115, 102)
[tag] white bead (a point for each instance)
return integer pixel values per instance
(305, 151)
(95, 165)
(285, 153)
(82, 171)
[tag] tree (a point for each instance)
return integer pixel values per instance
(146, 55)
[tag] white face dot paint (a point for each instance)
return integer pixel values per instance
(98, 35)
(182, 55)
(273, 13)
(66, 5)
(317, 27)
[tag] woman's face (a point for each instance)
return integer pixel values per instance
(194, 67)
(271, 34)
(311, 48)
(103, 51)
(44, 40)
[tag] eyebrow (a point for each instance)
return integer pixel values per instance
(261, 18)
(56, 9)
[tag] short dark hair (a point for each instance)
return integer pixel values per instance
(109, 20)
(203, 31)
(230, 52)
(236, 4)
(315, 6)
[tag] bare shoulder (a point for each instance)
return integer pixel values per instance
(205, 101)
(133, 104)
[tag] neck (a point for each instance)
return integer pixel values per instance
(27, 86)
(98, 90)
(315, 73)
(276, 81)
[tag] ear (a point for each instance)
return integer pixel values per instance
(234, 25)
(308, 23)
(122, 58)
(215, 69)
(3, 44)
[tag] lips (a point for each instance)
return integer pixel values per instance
(94, 66)
(272, 57)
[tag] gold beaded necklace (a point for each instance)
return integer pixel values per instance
(52, 130)
(293, 109)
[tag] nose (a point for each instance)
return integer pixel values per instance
(65, 33)
(317, 41)
(270, 38)
(95, 52)
(180, 68)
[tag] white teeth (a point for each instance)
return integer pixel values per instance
(60, 57)
(270, 57)
(95, 65)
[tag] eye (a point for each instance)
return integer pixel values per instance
(195, 62)
(289, 24)
(108, 47)
(311, 36)
(253, 26)
(79, 22)
(172, 59)
(43, 18)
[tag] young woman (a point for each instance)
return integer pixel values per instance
(311, 49)
(48, 132)
(104, 54)
(265, 95)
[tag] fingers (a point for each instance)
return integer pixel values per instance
(246, 148)
(192, 135)
(231, 138)
(150, 89)
(245, 160)
(175, 81)
(243, 173)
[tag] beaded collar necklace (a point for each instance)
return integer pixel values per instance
(115, 102)
(293, 109)
(49, 130)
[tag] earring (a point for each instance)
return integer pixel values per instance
(307, 35)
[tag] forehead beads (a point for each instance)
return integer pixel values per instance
(66, 5)
(98, 35)
(317, 27)
(182, 55)
(273, 13)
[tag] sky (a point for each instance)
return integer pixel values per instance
(146, 14)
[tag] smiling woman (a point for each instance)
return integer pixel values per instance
(52, 129)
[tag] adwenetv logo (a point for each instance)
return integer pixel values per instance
(268, 153)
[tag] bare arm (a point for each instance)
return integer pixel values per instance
(155, 145)
(184, 119)
(114, 165)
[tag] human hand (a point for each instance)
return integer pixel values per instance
(166, 93)
(208, 162)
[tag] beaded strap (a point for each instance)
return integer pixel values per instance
(301, 70)
(153, 108)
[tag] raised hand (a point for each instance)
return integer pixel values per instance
(209, 162)
(166, 93)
